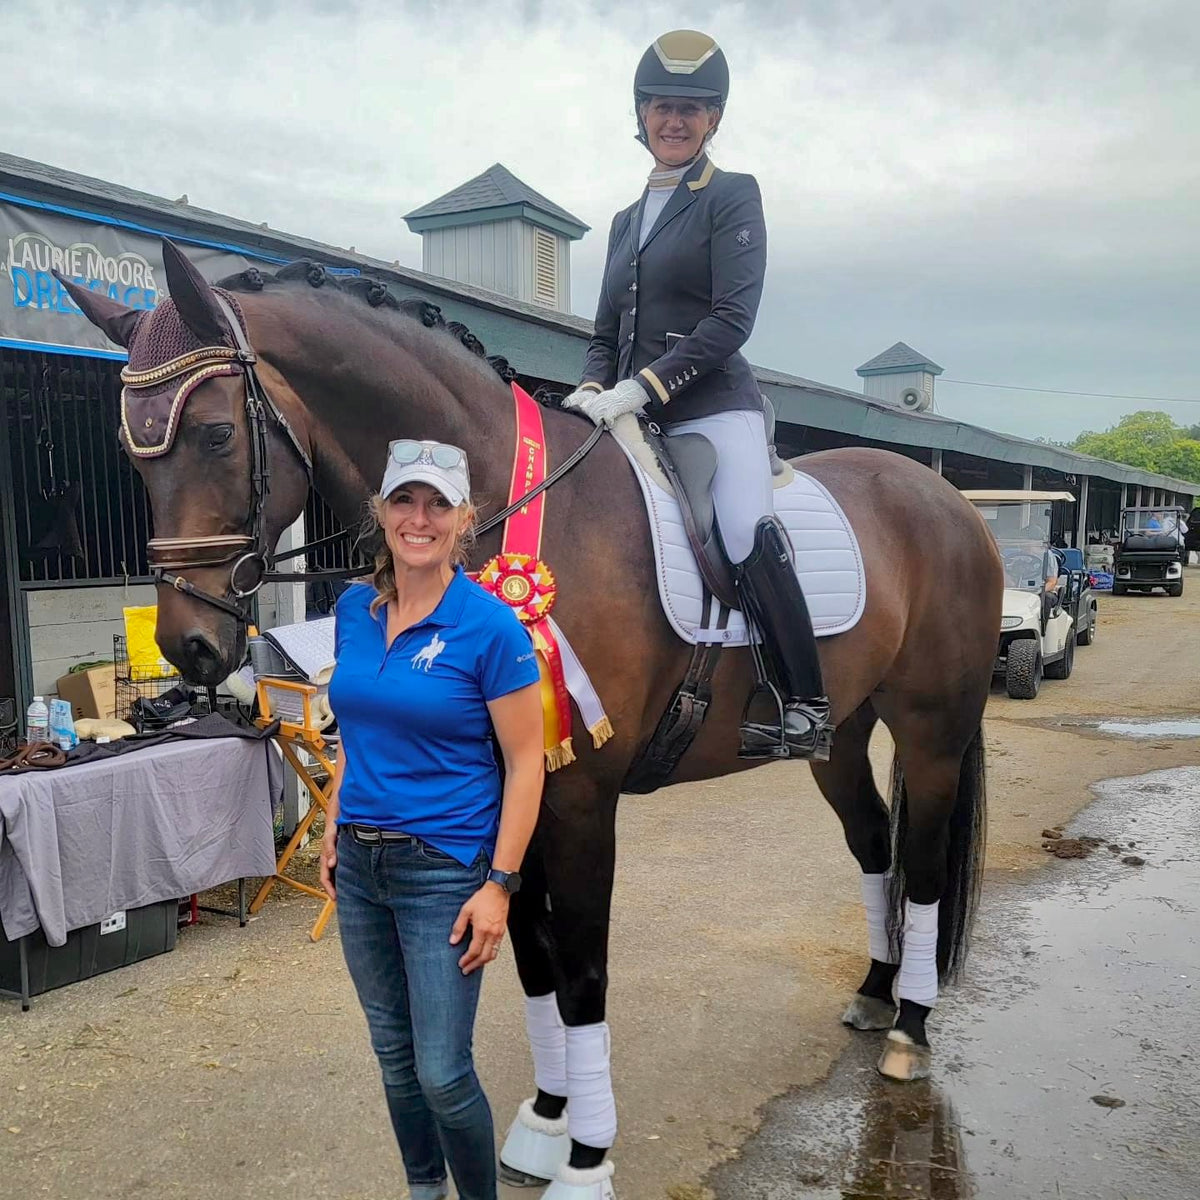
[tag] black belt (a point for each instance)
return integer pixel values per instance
(371, 835)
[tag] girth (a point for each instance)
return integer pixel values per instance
(679, 724)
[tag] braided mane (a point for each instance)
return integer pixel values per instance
(375, 293)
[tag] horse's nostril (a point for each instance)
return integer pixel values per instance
(204, 661)
(199, 647)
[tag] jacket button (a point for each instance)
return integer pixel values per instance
(633, 287)
(633, 310)
(634, 264)
(631, 337)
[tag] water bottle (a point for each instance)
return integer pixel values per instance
(37, 721)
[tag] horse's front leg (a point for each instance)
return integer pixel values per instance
(537, 1143)
(561, 938)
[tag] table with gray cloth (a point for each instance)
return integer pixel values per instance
(81, 843)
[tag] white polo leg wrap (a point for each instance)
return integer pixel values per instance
(918, 980)
(591, 1109)
(874, 894)
(548, 1042)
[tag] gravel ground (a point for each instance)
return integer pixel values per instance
(238, 1066)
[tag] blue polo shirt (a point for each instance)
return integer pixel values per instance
(413, 716)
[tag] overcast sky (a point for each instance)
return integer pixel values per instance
(1013, 188)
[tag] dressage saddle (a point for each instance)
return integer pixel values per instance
(689, 460)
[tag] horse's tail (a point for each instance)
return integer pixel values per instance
(967, 838)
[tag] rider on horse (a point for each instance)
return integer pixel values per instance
(682, 283)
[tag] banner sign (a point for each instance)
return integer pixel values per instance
(36, 313)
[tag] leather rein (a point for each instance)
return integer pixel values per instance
(248, 552)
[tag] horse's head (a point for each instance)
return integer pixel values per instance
(224, 471)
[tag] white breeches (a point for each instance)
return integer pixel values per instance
(742, 487)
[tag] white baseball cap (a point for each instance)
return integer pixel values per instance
(438, 464)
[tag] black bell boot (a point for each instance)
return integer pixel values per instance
(774, 602)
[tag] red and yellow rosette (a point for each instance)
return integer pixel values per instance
(524, 583)
(527, 586)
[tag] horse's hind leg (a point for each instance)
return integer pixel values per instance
(939, 816)
(847, 782)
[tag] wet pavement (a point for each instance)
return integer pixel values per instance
(1066, 1066)
(1187, 727)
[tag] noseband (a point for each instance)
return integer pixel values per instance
(248, 552)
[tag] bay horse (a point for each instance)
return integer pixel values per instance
(341, 367)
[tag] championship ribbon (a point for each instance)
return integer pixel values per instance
(518, 577)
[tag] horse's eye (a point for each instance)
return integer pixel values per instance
(218, 435)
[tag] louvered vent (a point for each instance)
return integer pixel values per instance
(545, 268)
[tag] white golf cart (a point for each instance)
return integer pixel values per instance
(1037, 630)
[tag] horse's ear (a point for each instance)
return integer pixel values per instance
(115, 320)
(193, 298)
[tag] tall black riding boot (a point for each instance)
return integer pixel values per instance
(772, 599)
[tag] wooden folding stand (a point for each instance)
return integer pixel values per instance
(292, 737)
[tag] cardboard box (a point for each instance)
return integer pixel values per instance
(90, 693)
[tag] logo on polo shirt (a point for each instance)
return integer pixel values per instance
(423, 659)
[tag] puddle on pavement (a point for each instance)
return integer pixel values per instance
(1083, 984)
(1181, 728)
(1163, 728)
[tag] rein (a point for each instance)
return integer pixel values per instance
(568, 464)
(247, 551)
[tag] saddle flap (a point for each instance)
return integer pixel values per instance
(690, 463)
(694, 459)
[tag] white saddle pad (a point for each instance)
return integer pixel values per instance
(828, 562)
(310, 645)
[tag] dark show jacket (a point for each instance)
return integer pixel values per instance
(675, 314)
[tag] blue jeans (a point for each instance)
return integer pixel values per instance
(396, 906)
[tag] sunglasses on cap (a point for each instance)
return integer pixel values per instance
(407, 451)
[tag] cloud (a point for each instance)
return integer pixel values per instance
(1013, 189)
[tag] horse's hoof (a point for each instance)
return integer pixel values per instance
(511, 1177)
(903, 1059)
(869, 1012)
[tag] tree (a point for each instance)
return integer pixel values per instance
(1150, 440)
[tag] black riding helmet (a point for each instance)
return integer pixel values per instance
(683, 62)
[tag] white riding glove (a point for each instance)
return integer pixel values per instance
(624, 397)
(578, 396)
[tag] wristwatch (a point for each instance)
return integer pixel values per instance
(510, 881)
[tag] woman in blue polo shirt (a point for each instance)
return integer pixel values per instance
(425, 843)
